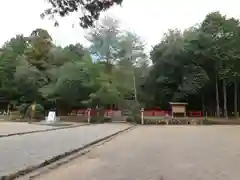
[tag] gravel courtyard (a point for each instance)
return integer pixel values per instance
(19, 127)
(160, 153)
(19, 152)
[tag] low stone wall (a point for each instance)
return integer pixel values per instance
(221, 121)
(169, 120)
(73, 118)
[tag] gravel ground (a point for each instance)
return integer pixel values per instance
(19, 127)
(160, 153)
(18, 152)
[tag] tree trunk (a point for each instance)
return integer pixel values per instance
(225, 99)
(217, 99)
(236, 99)
(203, 106)
(108, 62)
(135, 88)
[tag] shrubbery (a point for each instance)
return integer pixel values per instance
(23, 108)
(98, 119)
(135, 115)
(25, 111)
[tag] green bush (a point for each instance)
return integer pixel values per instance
(107, 119)
(134, 116)
(100, 119)
(130, 119)
(95, 119)
(23, 108)
(39, 112)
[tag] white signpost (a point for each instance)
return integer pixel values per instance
(51, 117)
(89, 115)
(142, 116)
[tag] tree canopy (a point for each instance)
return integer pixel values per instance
(199, 65)
(191, 65)
(90, 9)
(34, 69)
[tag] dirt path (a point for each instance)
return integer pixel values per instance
(155, 152)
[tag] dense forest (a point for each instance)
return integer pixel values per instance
(198, 65)
(34, 69)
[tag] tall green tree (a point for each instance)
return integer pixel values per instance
(104, 41)
(223, 34)
(193, 64)
(39, 43)
(9, 54)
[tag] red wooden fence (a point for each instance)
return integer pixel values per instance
(156, 113)
(84, 112)
(109, 112)
(195, 114)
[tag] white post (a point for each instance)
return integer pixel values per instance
(142, 118)
(89, 115)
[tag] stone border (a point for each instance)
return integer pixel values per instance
(42, 130)
(45, 163)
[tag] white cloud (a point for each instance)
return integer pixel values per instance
(149, 19)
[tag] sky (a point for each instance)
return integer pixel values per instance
(147, 18)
